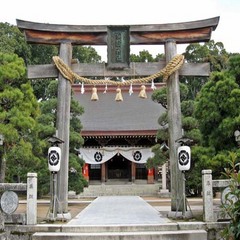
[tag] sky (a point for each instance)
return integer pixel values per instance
(130, 12)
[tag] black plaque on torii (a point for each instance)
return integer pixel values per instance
(118, 47)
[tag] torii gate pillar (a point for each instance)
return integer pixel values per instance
(174, 129)
(63, 124)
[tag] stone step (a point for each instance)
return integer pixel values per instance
(124, 228)
(120, 190)
(168, 226)
(142, 235)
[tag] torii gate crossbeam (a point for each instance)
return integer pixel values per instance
(150, 34)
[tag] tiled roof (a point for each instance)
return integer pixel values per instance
(106, 116)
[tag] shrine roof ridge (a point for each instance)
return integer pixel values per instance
(118, 134)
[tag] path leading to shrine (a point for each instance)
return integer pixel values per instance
(121, 210)
(122, 217)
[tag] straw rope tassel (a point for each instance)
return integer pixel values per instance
(142, 93)
(94, 94)
(118, 97)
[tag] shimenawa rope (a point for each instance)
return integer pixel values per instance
(175, 64)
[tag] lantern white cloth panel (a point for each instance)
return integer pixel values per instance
(101, 155)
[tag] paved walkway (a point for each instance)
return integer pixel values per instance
(118, 210)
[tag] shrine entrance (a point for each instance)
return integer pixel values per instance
(124, 164)
(118, 168)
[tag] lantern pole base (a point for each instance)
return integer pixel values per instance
(64, 216)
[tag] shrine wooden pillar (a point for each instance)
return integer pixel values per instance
(174, 129)
(150, 176)
(103, 172)
(86, 171)
(133, 171)
(63, 124)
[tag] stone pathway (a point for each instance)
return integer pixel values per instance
(118, 210)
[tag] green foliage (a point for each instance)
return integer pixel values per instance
(233, 67)
(231, 205)
(47, 125)
(200, 159)
(163, 120)
(159, 158)
(189, 123)
(187, 108)
(41, 53)
(19, 111)
(86, 54)
(25, 138)
(46, 91)
(195, 135)
(217, 111)
(12, 41)
(20, 159)
(210, 52)
(159, 56)
(191, 131)
(76, 182)
(12, 69)
(160, 96)
(194, 84)
(144, 56)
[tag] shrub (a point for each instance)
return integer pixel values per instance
(231, 205)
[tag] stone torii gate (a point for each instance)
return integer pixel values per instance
(168, 35)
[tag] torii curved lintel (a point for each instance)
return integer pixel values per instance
(151, 34)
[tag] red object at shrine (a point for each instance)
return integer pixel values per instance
(86, 171)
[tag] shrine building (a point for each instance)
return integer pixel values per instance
(118, 135)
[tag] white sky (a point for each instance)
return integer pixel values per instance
(127, 12)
